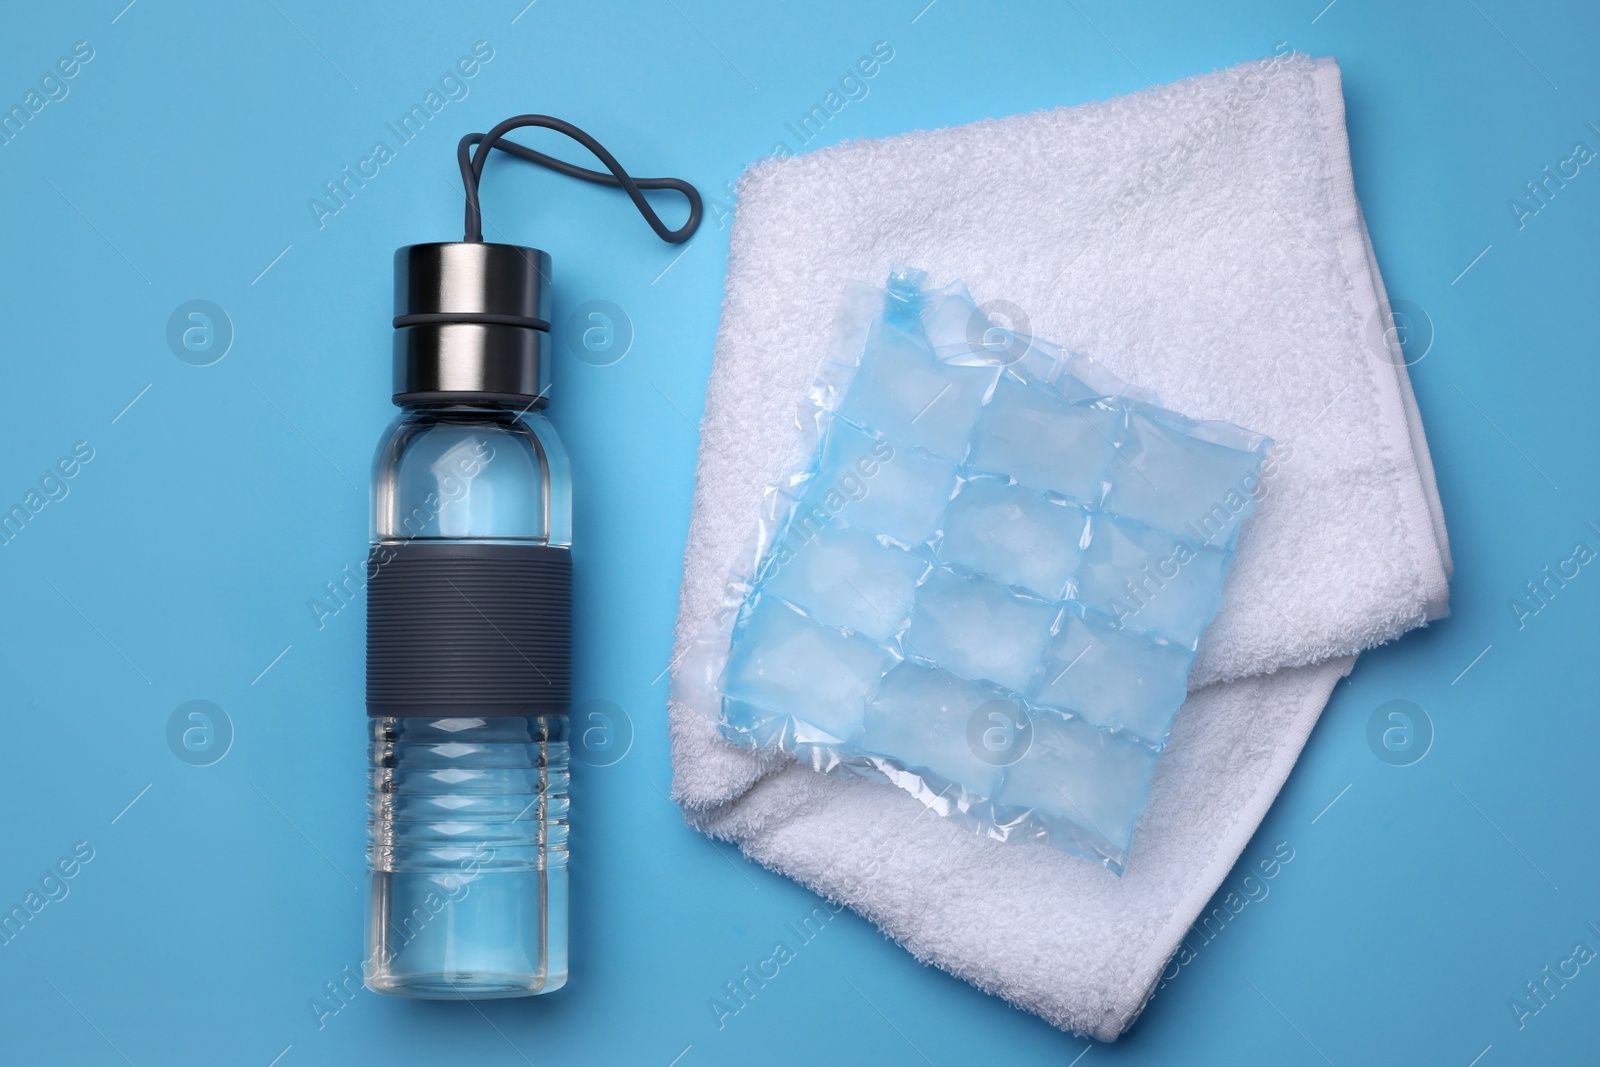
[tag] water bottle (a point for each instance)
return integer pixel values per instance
(469, 610)
(468, 637)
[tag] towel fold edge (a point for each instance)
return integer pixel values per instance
(1246, 821)
(1421, 512)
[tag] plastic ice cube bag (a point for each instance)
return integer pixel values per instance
(985, 577)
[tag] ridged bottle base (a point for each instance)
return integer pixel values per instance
(467, 858)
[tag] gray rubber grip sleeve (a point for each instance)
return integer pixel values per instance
(464, 630)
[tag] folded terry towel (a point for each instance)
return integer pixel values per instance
(1202, 239)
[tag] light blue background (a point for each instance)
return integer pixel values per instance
(181, 563)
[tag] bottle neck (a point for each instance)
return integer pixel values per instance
(472, 471)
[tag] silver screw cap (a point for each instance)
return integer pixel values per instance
(472, 323)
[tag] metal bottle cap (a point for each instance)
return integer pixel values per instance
(472, 323)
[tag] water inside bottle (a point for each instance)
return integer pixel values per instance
(467, 851)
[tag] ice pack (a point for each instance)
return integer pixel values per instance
(986, 576)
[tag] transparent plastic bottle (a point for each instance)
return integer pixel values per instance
(467, 826)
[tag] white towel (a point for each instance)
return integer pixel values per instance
(1202, 239)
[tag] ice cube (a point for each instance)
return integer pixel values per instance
(1089, 776)
(1176, 481)
(1115, 678)
(995, 335)
(948, 319)
(784, 665)
(1081, 378)
(934, 725)
(977, 628)
(906, 394)
(1014, 535)
(878, 485)
(1031, 433)
(846, 577)
(1150, 580)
